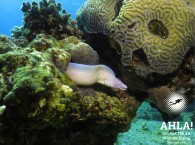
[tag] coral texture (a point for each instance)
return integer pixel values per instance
(162, 30)
(84, 54)
(95, 15)
(46, 17)
(42, 42)
(6, 44)
(80, 51)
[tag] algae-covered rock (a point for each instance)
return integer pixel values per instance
(43, 105)
(6, 44)
(18, 36)
(43, 42)
(60, 58)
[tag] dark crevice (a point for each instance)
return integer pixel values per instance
(132, 25)
(111, 57)
(157, 28)
(117, 8)
(107, 54)
(139, 57)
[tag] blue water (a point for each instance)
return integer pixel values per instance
(11, 15)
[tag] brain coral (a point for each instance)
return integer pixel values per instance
(163, 30)
(95, 14)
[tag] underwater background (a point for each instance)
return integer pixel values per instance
(12, 15)
(41, 104)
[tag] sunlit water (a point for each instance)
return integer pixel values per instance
(11, 15)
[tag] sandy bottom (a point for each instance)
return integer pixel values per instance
(146, 128)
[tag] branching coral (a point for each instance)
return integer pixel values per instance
(46, 17)
(153, 26)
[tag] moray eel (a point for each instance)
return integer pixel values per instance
(90, 74)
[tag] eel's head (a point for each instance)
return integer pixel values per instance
(112, 82)
(107, 77)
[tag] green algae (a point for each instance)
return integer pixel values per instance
(6, 45)
(42, 102)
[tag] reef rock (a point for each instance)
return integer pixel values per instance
(42, 42)
(6, 44)
(80, 52)
(43, 106)
(160, 31)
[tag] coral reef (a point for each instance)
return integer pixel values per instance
(43, 42)
(60, 58)
(40, 104)
(44, 106)
(181, 82)
(95, 15)
(153, 29)
(159, 97)
(6, 44)
(80, 51)
(46, 17)
(154, 42)
(91, 56)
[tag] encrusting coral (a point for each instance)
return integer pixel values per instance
(39, 102)
(155, 28)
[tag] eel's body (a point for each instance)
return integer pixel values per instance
(90, 74)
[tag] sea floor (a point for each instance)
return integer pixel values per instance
(146, 128)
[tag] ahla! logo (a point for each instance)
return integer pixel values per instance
(176, 126)
(176, 103)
